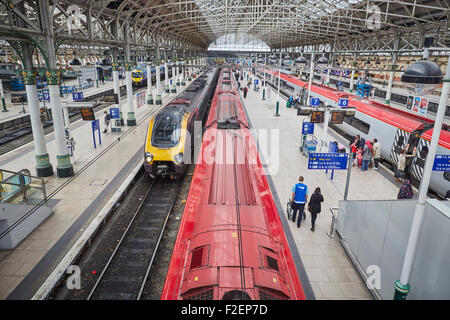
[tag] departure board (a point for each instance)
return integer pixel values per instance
(87, 114)
(317, 116)
(337, 117)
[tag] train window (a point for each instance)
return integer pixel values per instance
(272, 263)
(199, 257)
(400, 141)
(447, 175)
(358, 124)
(166, 131)
(424, 152)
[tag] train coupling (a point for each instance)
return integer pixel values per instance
(162, 169)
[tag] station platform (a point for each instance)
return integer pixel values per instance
(76, 201)
(331, 273)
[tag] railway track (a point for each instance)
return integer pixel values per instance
(125, 274)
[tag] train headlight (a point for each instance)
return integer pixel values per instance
(148, 157)
(178, 158)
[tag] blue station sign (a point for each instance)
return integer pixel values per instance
(343, 103)
(44, 95)
(308, 128)
(337, 161)
(77, 96)
(442, 162)
(114, 112)
(314, 102)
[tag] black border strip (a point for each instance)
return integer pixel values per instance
(307, 289)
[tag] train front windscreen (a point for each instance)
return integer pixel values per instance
(166, 130)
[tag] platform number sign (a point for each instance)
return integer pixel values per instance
(314, 102)
(343, 103)
(77, 96)
(44, 95)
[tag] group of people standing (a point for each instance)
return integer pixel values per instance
(364, 152)
(292, 101)
(299, 200)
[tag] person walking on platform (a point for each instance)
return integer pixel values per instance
(366, 156)
(314, 206)
(299, 198)
(376, 153)
(245, 91)
(107, 119)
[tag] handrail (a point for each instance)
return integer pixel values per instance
(22, 183)
(333, 221)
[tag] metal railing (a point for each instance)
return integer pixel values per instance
(333, 221)
(21, 187)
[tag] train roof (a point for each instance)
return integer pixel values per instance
(444, 139)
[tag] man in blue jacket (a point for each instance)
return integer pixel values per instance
(299, 196)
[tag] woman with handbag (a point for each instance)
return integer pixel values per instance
(314, 206)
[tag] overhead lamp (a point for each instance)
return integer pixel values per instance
(322, 61)
(301, 60)
(422, 77)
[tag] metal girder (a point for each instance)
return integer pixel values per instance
(196, 24)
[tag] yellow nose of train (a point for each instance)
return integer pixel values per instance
(137, 76)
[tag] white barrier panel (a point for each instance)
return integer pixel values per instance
(376, 233)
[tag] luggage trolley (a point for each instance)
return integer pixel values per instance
(309, 145)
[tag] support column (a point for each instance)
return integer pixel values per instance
(353, 73)
(2, 95)
(173, 88)
(189, 70)
(149, 85)
(158, 99)
(311, 76)
(177, 64)
(389, 87)
(131, 116)
(166, 78)
(43, 166)
(64, 168)
(116, 83)
(402, 286)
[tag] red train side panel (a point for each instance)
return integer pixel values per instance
(231, 242)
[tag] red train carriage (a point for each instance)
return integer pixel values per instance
(231, 243)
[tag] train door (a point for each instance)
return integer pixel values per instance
(418, 162)
(400, 142)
